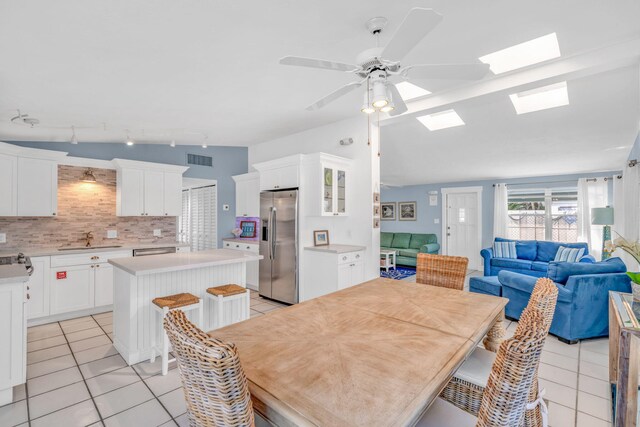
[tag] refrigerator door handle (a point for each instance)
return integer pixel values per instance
(273, 234)
(269, 231)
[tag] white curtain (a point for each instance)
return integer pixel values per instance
(500, 211)
(592, 193)
(629, 226)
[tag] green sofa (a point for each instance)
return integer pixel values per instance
(409, 245)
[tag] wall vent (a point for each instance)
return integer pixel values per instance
(198, 160)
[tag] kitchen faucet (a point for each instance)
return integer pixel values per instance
(89, 237)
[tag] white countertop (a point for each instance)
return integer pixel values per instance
(48, 251)
(14, 273)
(140, 266)
(336, 249)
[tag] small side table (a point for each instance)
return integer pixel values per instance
(387, 259)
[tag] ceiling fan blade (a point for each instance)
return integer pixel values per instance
(446, 71)
(416, 25)
(318, 63)
(398, 102)
(335, 95)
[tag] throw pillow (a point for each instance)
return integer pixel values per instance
(505, 250)
(565, 254)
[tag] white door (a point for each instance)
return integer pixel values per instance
(37, 187)
(103, 284)
(71, 288)
(153, 193)
(8, 185)
(463, 229)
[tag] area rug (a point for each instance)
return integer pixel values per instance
(398, 273)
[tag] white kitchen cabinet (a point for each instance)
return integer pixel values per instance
(330, 269)
(103, 283)
(148, 189)
(247, 195)
(327, 179)
(279, 178)
(253, 269)
(72, 288)
(37, 187)
(38, 288)
(334, 190)
(13, 335)
(8, 185)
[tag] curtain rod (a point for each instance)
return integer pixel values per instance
(606, 178)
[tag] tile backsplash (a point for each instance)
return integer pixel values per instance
(84, 207)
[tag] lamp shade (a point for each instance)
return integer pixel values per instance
(602, 216)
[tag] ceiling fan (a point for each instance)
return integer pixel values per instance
(376, 66)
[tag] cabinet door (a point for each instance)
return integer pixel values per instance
(328, 175)
(71, 288)
(38, 288)
(103, 284)
(37, 187)
(357, 273)
(288, 177)
(252, 199)
(12, 335)
(172, 194)
(153, 193)
(130, 198)
(344, 276)
(269, 179)
(8, 185)
(341, 192)
(241, 198)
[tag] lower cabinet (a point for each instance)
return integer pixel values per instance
(103, 284)
(13, 335)
(329, 271)
(72, 288)
(253, 269)
(38, 287)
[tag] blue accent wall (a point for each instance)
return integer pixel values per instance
(427, 214)
(227, 161)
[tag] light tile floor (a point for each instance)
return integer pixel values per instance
(76, 378)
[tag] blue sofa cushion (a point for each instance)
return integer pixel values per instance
(547, 250)
(566, 254)
(559, 272)
(505, 250)
(522, 264)
(489, 285)
(526, 249)
(539, 266)
(523, 283)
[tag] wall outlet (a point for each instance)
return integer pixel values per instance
(225, 207)
(112, 234)
(3, 237)
(157, 232)
(436, 220)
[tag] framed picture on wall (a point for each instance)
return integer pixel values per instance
(407, 211)
(388, 211)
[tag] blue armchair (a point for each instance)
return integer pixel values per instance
(583, 296)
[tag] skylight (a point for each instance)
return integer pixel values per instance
(541, 98)
(410, 91)
(441, 120)
(523, 54)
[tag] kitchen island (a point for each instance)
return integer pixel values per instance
(137, 281)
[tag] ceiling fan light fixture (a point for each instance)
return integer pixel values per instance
(379, 95)
(387, 108)
(367, 109)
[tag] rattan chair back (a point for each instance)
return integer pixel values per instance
(215, 385)
(442, 270)
(505, 398)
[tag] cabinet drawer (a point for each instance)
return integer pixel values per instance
(238, 246)
(87, 258)
(350, 257)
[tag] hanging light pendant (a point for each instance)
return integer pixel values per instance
(74, 139)
(379, 94)
(390, 106)
(88, 176)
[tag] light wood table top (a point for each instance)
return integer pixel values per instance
(376, 354)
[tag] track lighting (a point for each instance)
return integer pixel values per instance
(204, 145)
(129, 141)
(74, 139)
(172, 144)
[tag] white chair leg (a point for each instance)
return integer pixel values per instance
(220, 313)
(152, 337)
(165, 347)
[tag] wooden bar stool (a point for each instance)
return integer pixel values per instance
(226, 293)
(163, 305)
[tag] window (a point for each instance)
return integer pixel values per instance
(543, 214)
(197, 224)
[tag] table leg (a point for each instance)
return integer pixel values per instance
(496, 334)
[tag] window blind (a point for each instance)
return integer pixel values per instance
(198, 222)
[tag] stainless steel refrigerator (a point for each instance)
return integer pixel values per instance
(279, 245)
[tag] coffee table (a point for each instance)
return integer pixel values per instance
(387, 259)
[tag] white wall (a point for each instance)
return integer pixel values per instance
(357, 228)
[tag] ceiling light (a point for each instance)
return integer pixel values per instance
(410, 91)
(172, 144)
(204, 145)
(541, 98)
(523, 54)
(441, 120)
(379, 95)
(128, 141)
(367, 108)
(387, 108)
(88, 176)
(74, 139)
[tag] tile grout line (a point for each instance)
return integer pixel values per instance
(575, 415)
(26, 397)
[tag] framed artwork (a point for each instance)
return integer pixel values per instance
(376, 210)
(388, 211)
(376, 197)
(376, 222)
(407, 211)
(248, 228)
(321, 238)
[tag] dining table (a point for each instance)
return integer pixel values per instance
(375, 354)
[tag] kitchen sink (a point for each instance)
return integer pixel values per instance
(89, 248)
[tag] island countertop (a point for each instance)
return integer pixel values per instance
(140, 266)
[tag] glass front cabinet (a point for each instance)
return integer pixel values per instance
(334, 189)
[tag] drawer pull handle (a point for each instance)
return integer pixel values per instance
(28, 296)
(344, 258)
(357, 256)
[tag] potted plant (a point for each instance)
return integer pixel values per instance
(633, 249)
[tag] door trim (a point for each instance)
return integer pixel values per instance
(460, 190)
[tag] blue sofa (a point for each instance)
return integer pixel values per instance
(533, 259)
(583, 296)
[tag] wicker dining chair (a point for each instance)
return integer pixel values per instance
(466, 388)
(442, 270)
(214, 383)
(505, 397)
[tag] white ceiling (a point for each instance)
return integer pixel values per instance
(182, 70)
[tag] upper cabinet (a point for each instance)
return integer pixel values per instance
(328, 179)
(279, 174)
(247, 194)
(28, 181)
(148, 189)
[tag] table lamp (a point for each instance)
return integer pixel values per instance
(603, 216)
